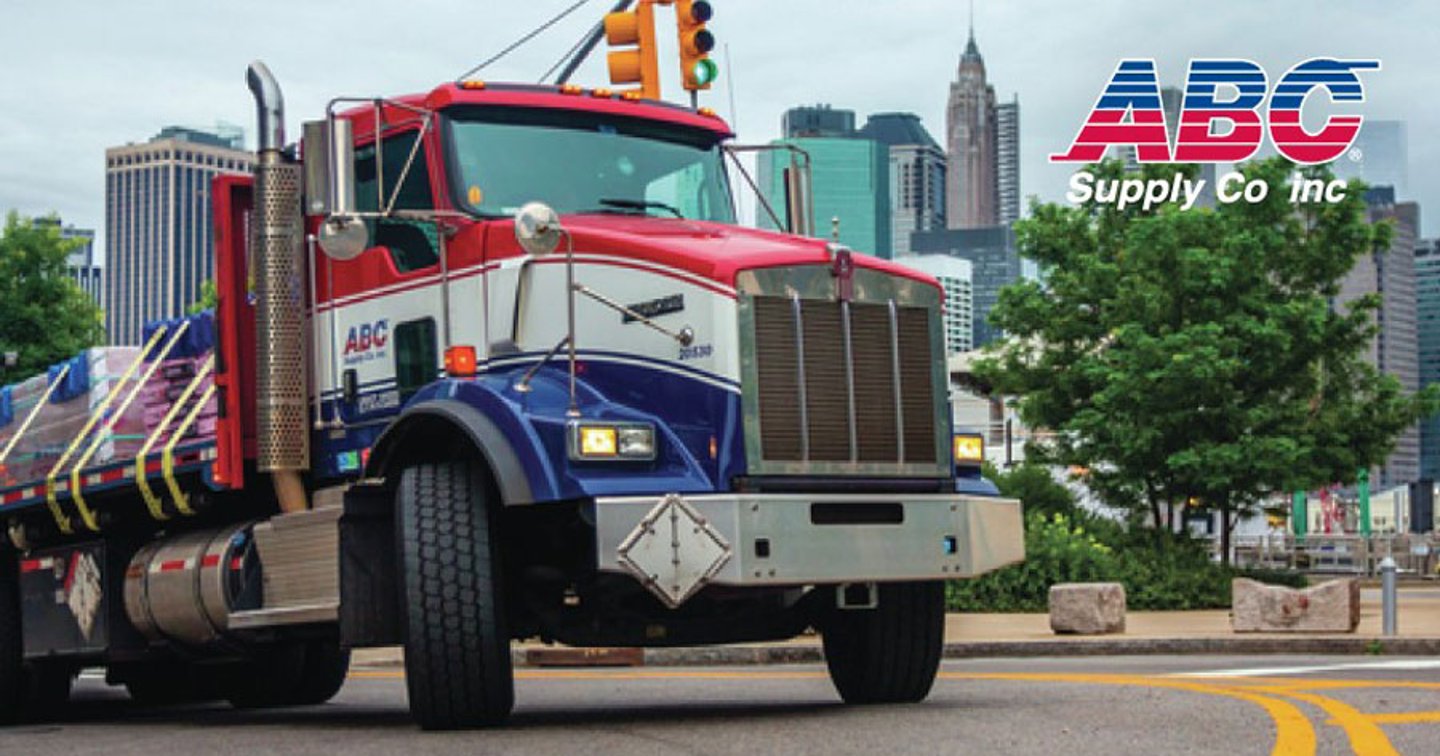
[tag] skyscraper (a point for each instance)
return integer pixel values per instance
(917, 176)
(81, 264)
(159, 247)
(817, 121)
(1427, 336)
(849, 185)
(994, 263)
(1391, 275)
(956, 278)
(1379, 157)
(972, 142)
(1007, 159)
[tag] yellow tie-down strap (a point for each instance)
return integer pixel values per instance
(34, 413)
(167, 467)
(51, 497)
(167, 462)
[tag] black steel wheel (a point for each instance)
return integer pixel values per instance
(457, 645)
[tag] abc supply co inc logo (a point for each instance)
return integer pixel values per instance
(1220, 122)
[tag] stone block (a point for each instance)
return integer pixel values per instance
(1331, 607)
(1087, 608)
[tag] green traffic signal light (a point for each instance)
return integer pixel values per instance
(705, 71)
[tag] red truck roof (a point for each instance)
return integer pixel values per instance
(568, 97)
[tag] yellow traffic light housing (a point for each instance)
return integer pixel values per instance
(637, 65)
(697, 70)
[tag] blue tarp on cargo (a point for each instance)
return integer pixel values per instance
(7, 406)
(199, 339)
(77, 381)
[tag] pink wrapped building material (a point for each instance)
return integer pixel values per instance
(60, 421)
(154, 414)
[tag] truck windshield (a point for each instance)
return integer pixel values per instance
(585, 163)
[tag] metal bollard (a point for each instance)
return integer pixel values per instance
(1388, 608)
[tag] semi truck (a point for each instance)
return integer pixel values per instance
(495, 362)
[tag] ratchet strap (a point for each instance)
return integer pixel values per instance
(34, 413)
(51, 497)
(153, 501)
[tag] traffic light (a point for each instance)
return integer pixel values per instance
(697, 71)
(637, 65)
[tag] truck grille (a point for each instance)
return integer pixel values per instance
(867, 399)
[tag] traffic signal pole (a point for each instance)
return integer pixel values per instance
(588, 46)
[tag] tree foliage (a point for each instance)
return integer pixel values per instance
(1197, 357)
(44, 315)
(1035, 487)
(209, 298)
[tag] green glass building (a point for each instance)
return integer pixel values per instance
(850, 180)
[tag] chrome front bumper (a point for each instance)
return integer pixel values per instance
(678, 544)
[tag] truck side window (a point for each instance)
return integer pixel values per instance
(417, 360)
(412, 243)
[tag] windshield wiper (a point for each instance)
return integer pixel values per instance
(631, 204)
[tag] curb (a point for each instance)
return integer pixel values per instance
(806, 653)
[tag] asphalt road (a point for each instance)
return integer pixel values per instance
(1158, 705)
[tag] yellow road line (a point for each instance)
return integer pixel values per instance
(1405, 717)
(1294, 734)
(615, 674)
(1307, 684)
(1366, 737)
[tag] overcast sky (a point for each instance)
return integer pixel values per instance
(82, 75)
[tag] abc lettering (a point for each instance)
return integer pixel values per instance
(1220, 118)
(367, 336)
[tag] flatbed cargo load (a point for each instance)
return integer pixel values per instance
(85, 421)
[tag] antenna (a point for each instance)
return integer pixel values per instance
(517, 43)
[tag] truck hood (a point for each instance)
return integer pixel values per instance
(715, 251)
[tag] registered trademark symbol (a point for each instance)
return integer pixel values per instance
(1355, 155)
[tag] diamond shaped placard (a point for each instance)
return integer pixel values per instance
(674, 550)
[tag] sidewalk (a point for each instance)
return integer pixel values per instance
(979, 635)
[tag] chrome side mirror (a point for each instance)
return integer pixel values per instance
(329, 153)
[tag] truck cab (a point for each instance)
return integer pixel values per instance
(497, 362)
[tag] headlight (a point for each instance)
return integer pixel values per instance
(593, 441)
(969, 449)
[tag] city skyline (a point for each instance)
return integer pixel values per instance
(51, 148)
(159, 247)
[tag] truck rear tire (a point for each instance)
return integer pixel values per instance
(289, 674)
(457, 644)
(889, 654)
(326, 665)
(170, 683)
(270, 678)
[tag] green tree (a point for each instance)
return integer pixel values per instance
(1195, 358)
(209, 298)
(44, 316)
(1034, 486)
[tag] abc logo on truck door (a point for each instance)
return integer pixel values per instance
(366, 341)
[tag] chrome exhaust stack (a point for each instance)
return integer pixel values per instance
(277, 250)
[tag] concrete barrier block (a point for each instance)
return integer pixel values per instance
(1087, 608)
(1331, 607)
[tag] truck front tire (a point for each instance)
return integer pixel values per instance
(457, 645)
(889, 654)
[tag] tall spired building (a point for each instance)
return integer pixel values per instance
(982, 144)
